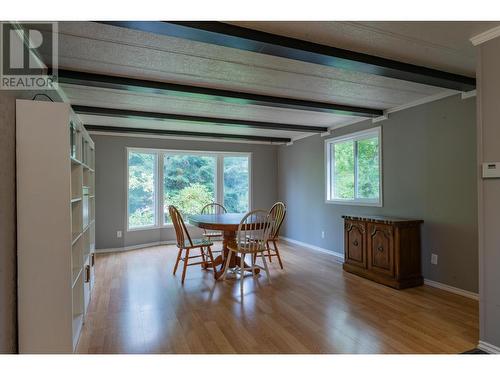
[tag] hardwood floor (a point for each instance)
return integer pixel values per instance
(312, 306)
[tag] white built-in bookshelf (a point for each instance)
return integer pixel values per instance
(55, 225)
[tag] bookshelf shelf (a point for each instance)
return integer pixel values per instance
(77, 275)
(75, 161)
(75, 238)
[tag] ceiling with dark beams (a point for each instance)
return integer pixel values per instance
(125, 78)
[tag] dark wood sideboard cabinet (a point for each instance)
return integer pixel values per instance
(383, 249)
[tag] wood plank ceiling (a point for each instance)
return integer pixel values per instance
(149, 81)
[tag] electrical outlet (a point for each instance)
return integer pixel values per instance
(119, 234)
(434, 259)
(322, 234)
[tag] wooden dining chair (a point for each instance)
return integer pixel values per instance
(277, 214)
(213, 209)
(253, 233)
(185, 243)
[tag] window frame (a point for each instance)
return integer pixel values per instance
(356, 136)
(159, 188)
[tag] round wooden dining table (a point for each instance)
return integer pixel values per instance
(227, 224)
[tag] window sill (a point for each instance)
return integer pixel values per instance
(354, 203)
(156, 227)
(138, 229)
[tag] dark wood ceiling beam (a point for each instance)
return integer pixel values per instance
(142, 86)
(127, 113)
(179, 133)
(242, 38)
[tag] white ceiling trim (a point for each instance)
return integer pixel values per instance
(484, 37)
(381, 118)
(300, 137)
(469, 94)
(425, 100)
(193, 138)
(347, 123)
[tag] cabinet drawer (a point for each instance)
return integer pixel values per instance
(380, 248)
(354, 246)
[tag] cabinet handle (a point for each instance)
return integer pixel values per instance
(380, 248)
(92, 259)
(355, 243)
(87, 273)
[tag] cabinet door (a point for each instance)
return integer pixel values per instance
(380, 246)
(355, 251)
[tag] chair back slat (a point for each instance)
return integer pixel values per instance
(254, 230)
(181, 232)
(277, 213)
(213, 209)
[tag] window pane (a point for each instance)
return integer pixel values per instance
(189, 183)
(141, 189)
(368, 168)
(236, 183)
(343, 170)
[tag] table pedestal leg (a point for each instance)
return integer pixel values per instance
(229, 238)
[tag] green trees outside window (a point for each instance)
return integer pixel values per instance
(141, 189)
(344, 170)
(236, 183)
(368, 168)
(189, 183)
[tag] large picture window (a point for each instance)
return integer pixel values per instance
(353, 168)
(186, 179)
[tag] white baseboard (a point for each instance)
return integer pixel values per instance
(171, 242)
(452, 289)
(134, 247)
(340, 256)
(488, 348)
